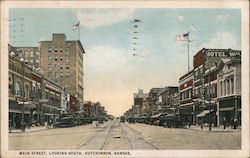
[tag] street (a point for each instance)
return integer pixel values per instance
(113, 135)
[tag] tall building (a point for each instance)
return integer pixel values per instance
(62, 62)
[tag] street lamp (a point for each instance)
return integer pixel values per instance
(12, 54)
(22, 62)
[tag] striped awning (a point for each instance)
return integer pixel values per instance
(203, 113)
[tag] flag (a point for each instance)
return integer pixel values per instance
(76, 26)
(184, 37)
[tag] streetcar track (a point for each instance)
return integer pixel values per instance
(85, 141)
(141, 136)
(126, 138)
(108, 137)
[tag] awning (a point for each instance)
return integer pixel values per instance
(226, 109)
(203, 113)
(155, 116)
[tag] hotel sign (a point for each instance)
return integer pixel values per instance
(223, 53)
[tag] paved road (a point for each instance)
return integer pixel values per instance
(114, 135)
(176, 138)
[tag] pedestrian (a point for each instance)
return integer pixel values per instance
(224, 122)
(235, 123)
(201, 124)
(10, 125)
(232, 122)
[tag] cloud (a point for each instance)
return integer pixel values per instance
(180, 17)
(222, 40)
(223, 18)
(106, 57)
(105, 17)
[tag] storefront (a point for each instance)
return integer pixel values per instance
(15, 114)
(230, 108)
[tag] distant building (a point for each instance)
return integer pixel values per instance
(62, 61)
(153, 98)
(141, 101)
(166, 98)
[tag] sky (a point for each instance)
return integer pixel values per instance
(115, 67)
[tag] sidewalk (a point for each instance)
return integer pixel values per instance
(31, 129)
(213, 129)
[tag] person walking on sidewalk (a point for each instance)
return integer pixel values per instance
(232, 122)
(224, 122)
(201, 124)
(235, 123)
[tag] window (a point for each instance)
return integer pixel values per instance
(50, 67)
(67, 74)
(56, 75)
(67, 66)
(55, 49)
(225, 92)
(221, 89)
(26, 91)
(50, 49)
(31, 54)
(232, 86)
(50, 57)
(37, 53)
(31, 61)
(61, 75)
(37, 61)
(61, 58)
(61, 67)
(55, 66)
(61, 49)
(26, 54)
(228, 87)
(18, 88)
(67, 58)
(55, 58)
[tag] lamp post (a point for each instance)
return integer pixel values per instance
(22, 62)
(12, 54)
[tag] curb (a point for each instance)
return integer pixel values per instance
(32, 131)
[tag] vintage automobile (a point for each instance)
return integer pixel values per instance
(65, 122)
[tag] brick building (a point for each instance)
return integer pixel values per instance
(205, 81)
(186, 109)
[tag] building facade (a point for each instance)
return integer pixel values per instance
(153, 99)
(229, 90)
(186, 108)
(62, 62)
(141, 102)
(33, 98)
(205, 83)
(31, 55)
(166, 99)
